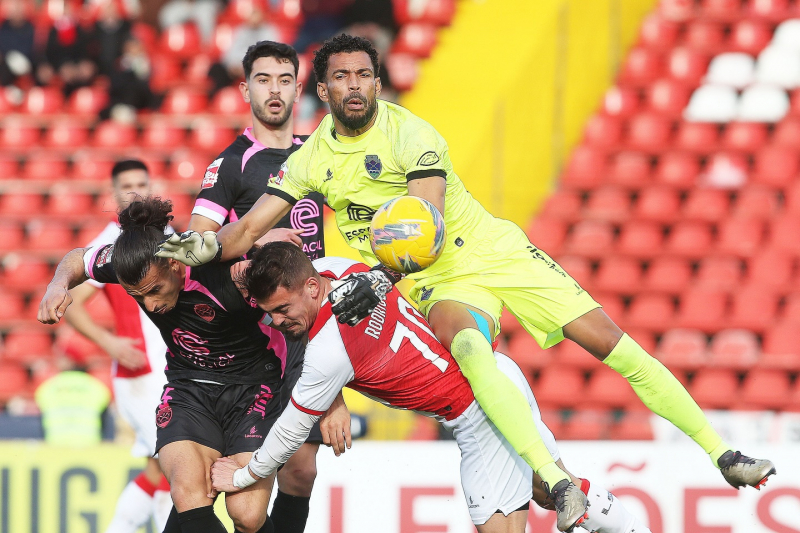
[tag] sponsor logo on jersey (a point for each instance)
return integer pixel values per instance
(204, 311)
(253, 434)
(104, 257)
(373, 165)
(459, 242)
(211, 175)
(361, 213)
(304, 216)
(328, 175)
(428, 159)
(260, 402)
(278, 180)
(164, 413)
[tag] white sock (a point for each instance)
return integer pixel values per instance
(162, 505)
(133, 510)
(608, 515)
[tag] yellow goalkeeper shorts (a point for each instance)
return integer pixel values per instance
(505, 269)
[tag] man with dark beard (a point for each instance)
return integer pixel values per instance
(232, 184)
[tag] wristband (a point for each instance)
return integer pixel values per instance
(242, 478)
(393, 276)
(218, 255)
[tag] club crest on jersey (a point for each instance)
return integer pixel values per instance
(373, 165)
(104, 257)
(428, 159)
(205, 311)
(164, 415)
(211, 175)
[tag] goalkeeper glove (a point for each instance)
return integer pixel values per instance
(191, 248)
(359, 293)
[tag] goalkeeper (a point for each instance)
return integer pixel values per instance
(367, 152)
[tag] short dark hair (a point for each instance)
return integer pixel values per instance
(277, 264)
(142, 223)
(126, 165)
(343, 44)
(269, 49)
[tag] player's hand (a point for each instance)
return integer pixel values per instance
(237, 275)
(358, 294)
(53, 305)
(191, 248)
(222, 475)
(124, 350)
(282, 235)
(335, 427)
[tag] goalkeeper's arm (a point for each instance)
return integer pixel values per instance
(56, 299)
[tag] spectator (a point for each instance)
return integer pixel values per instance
(321, 19)
(110, 33)
(72, 403)
(66, 53)
(130, 84)
(253, 30)
(202, 12)
(16, 42)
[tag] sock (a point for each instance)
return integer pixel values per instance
(289, 513)
(134, 506)
(503, 403)
(201, 520)
(663, 394)
(162, 505)
(172, 525)
(606, 512)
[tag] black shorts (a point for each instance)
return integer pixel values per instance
(294, 367)
(229, 418)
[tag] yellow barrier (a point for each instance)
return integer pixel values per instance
(511, 84)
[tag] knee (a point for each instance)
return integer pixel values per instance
(298, 480)
(186, 497)
(249, 520)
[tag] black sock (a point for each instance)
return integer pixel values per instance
(201, 520)
(172, 525)
(289, 513)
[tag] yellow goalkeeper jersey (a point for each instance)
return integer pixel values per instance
(358, 176)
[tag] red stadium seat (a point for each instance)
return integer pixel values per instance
(88, 101)
(602, 131)
(794, 103)
(770, 269)
(705, 35)
(89, 230)
(707, 205)
(586, 425)
(678, 169)
(222, 39)
(9, 168)
(750, 36)
(621, 102)
(51, 236)
(715, 388)
(26, 345)
(404, 70)
(757, 202)
(45, 167)
(787, 133)
(196, 71)
(613, 305)
(740, 237)
(702, 309)
(697, 136)
(640, 239)
(66, 134)
(668, 97)
(687, 65)
(776, 166)
(12, 306)
(209, 136)
(110, 134)
(668, 275)
(184, 101)
(721, 10)
(734, 348)
(590, 238)
(772, 10)
(578, 267)
(781, 347)
(607, 389)
(649, 132)
(568, 354)
(792, 200)
(43, 101)
(8, 104)
(791, 310)
(651, 312)
(64, 201)
(19, 134)
(630, 169)
(439, 12)
(633, 426)
(181, 41)
(13, 236)
(781, 231)
(229, 101)
(765, 389)
(658, 204)
(678, 10)
(744, 136)
(416, 39)
(146, 34)
(658, 33)
(188, 165)
(13, 381)
(754, 308)
(608, 203)
(166, 72)
(88, 166)
(720, 273)
(525, 351)
(585, 168)
(21, 203)
(552, 383)
(547, 234)
(163, 134)
(642, 67)
(563, 205)
(683, 349)
(618, 275)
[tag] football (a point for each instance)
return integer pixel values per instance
(407, 234)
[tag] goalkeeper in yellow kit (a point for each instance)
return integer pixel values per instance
(367, 152)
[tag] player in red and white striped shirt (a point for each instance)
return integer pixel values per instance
(137, 351)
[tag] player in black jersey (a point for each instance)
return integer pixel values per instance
(224, 363)
(233, 182)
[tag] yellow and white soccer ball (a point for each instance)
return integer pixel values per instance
(407, 234)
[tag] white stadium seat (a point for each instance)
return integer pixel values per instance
(778, 65)
(712, 103)
(734, 69)
(787, 35)
(763, 103)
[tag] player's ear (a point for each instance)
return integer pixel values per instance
(322, 91)
(245, 90)
(377, 87)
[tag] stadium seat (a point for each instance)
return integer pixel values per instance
(509, 325)
(650, 312)
(706, 205)
(640, 239)
(780, 348)
(46, 167)
(741, 237)
(563, 205)
(18, 133)
(89, 230)
(43, 101)
(765, 389)
(63, 201)
(403, 68)
(629, 169)
(579, 268)
(568, 354)
(754, 308)
(715, 388)
(163, 134)
(196, 71)
(52, 236)
(525, 351)
(776, 166)
(781, 230)
(702, 309)
(719, 273)
(649, 132)
(712, 103)
(771, 10)
(8, 103)
(590, 238)
(750, 36)
(757, 202)
(603, 131)
(689, 239)
(547, 234)
(622, 102)
(794, 103)
(9, 167)
(687, 65)
(166, 72)
(657, 204)
(786, 134)
(613, 305)
(92, 167)
(66, 134)
(146, 34)
(667, 97)
(229, 101)
(734, 348)
(416, 39)
(705, 35)
(209, 136)
(658, 33)
(552, 384)
(21, 203)
(27, 344)
(668, 275)
(13, 381)
(744, 136)
(725, 170)
(181, 41)
(618, 275)
(184, 101)
(721, 10)
(787, 35)
(187, 165)
(111, 134)
(608, 389)
(88, 101)
(791, 310)
(683, 349)
(438, 12)
(763, 103)
(13, 236)
(12, 307)
(586, 425)
(677, 10)
(731, 69)
(641, 67)
(632, 426)
(607, 203)
(697, 136)
(585, 168)
(677, 169)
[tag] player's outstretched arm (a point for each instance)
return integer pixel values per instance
(56, 299)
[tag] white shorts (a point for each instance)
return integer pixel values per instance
(137, 400)
(493, 476)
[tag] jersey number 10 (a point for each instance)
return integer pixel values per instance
(401, 332)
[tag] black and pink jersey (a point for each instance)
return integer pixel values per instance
(238, 177)
(212, 333)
